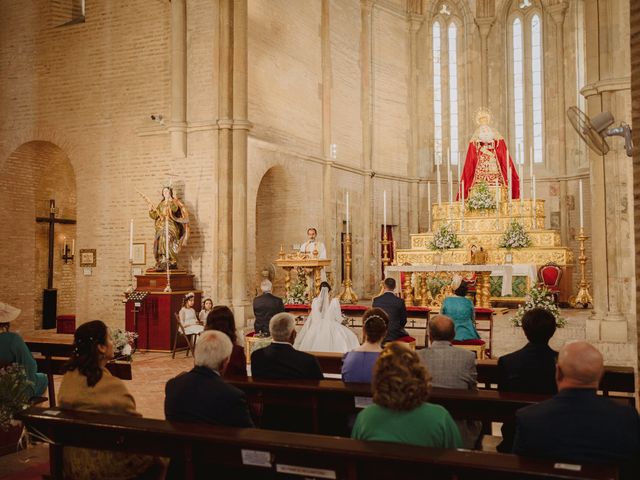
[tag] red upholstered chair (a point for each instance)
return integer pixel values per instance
(408, 339)
(476, 346)
(550, 275)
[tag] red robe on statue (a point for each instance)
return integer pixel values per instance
(477, 166)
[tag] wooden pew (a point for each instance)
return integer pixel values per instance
(617, 382)
(262, 454)
(325, 406)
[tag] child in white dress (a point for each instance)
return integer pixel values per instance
(188, 316)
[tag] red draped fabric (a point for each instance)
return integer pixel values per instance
(471, 162)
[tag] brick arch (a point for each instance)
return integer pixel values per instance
(32, 174)
(278, 206)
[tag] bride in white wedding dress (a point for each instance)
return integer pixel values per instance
(323, 331)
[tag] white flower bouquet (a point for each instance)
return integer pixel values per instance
(515, 237)
(481, 197)
(123, 344)
(539, 297)
(445, 239)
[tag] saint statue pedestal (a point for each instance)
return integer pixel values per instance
(153, 318)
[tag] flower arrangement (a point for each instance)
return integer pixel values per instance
(15, 392)
(539, 297)
(481, 197)
(123, 344)
(445, 238)
(296, 295)
(515, 236)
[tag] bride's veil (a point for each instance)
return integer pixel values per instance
(324, 300)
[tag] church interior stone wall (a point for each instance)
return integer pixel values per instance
(339, 98)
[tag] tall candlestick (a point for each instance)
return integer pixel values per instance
(439, 186)
(347, 202)
(429, 204)
(581, 208)
(131, 240)
(384, 209)
(166, 240)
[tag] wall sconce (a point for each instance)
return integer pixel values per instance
(68, 253)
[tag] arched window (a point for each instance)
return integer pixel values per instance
(454, 140)
(437, 93)
(526, 81)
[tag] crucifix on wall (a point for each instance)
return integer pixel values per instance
(50, 294)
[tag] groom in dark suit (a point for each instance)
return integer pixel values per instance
(265, 306)
(395, 308)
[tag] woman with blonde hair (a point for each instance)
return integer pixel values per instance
(400, 412)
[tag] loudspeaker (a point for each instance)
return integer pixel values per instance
(49, 307)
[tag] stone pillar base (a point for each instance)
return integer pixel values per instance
(614, 330)
(592, 330)
(242, 312)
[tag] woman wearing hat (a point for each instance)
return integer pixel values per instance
(14, 350)
(460, 309)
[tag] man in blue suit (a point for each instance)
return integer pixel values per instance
(396, 310)
(577, 425)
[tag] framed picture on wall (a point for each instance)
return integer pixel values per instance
(87, 257)
(139, 253)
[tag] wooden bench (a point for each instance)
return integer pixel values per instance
(262, 454)
(617, 382)
(325, 406)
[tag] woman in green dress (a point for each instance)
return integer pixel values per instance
(170, 217)
(460, 309)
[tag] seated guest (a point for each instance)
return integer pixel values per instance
(460, 309)
(221, 318)
(280, 359)
(201, 395)
(451, 367)
(14, 350)
(188, 316)
(577, 425)
(88, 386)
(357, 365)
(531, 369)
(400, 412)
(265, 306)
(207, 306)
(395, 308)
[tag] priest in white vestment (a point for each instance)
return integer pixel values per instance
(313, 245)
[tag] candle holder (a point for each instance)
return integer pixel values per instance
(67, 254)
(347, 295)
(167, 289)
(583, 298)
(385, 242)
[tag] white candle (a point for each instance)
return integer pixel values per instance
(131, 240)
(531, 162)
(462, 222)
(533, 205)
(521, 186)
(438, 182)
(64, 246)
(581, 208)
(73, 247)
(509, 177)
(429, 203)
(448, 163)
(384, 209)
(347, 202)
(459, 160)
(497, 204)
(450, 187)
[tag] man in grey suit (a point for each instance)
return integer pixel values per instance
(451, 367)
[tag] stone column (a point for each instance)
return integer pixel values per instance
(484, 26)
(415, 23)
(225, 180)
(369, 267)
(608, 84)
(178, 125)
(328, 197)
(558, 13)
(240, 135)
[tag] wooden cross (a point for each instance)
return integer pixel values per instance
(52, 220)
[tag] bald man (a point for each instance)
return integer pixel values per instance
(577, 425)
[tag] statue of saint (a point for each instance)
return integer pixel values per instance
(487, 158)
(172, 218)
